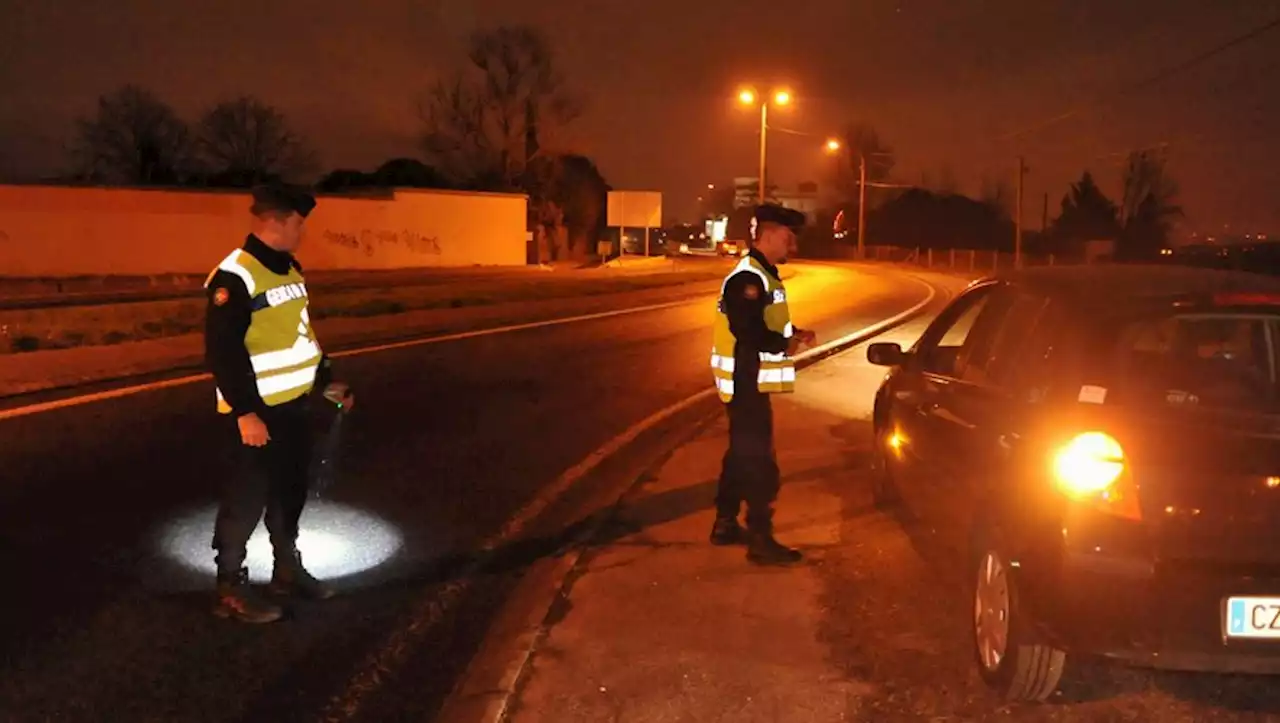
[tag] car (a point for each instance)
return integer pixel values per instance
(732, 248)
(1100, 447)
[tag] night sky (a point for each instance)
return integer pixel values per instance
(942, 81)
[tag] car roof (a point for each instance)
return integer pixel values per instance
(1113, 286)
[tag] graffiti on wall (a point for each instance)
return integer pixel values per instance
(369, 241)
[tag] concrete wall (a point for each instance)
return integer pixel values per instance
(66, 231)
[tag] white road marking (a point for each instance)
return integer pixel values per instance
(400, 643)
(104, 395)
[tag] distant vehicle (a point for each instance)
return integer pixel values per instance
(732, 248)
(1102, 444)
(634, 242)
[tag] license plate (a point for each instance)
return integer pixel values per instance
(1253, 617)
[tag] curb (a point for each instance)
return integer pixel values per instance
(508, 690)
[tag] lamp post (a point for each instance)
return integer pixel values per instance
(748, 97)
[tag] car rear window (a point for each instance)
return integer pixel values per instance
(1209, 361)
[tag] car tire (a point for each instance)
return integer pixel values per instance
(884, 492)
(1008, 660)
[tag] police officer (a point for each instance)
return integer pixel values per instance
(751, 358)
(266, 363)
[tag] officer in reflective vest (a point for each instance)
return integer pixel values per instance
(266, 363)
(751, 358)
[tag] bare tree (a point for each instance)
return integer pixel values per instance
(998, 193)
(1149, 205)
(488, 122)
(134, 138)
(861, 141)
(244, 141)
(1146, 174)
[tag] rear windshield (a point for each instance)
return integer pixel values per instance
(1210, 361)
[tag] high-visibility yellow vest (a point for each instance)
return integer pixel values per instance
(777, 371)
(281, 344)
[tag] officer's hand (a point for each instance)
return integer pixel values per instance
(807, 337)
(340, 393)
(253, 431)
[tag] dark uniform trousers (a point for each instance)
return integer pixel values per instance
(273, 478)
(750, 470)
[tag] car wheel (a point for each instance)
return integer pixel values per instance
(884, 493)
(1019, 670)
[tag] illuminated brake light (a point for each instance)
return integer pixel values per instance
(1091, 468)
(1246, 299)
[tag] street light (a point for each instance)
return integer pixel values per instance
(748, 97)
(833, 145)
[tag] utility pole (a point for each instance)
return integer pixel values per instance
(1044, 214)
(764, 129)
(1017, 237)
(862, 205)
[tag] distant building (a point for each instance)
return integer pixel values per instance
(803, 198)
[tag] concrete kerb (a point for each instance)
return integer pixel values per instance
(504, 693)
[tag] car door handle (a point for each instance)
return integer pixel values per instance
(925, 409)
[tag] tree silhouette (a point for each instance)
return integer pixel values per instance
(133, 139)
(718, 201)
(483, 126)
(1087, 214)
(246, 141)
(409, 173)
(998, 193)
(567, 202)
(1149, 206)
(860, 140)
(922, 218)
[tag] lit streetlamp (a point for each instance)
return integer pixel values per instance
(748, 97)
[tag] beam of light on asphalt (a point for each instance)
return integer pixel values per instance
(335, 541)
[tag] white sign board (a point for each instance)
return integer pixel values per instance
(635, 209)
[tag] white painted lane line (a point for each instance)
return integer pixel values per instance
(116, 393)
(104, 395)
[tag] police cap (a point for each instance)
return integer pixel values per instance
(281, 198)
(773, 213)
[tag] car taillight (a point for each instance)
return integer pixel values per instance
(1244, 298)
(1091, 468)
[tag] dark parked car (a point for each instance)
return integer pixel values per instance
(1102, 446)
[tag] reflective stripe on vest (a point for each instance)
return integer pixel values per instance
(777, 370)
(281, 344)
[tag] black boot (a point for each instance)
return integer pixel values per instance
(763, 549)
(238, 601)
(290, 578)
(727, 531)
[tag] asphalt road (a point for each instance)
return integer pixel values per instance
(897, 618)
(105, 514)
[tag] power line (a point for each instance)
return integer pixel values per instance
(1149, 80)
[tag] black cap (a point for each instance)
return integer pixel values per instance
(773, 213)
(282, 198)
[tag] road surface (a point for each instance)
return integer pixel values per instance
(105, 514)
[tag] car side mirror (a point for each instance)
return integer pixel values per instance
(886, 354)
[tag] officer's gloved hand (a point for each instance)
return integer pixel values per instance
(340, 394)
